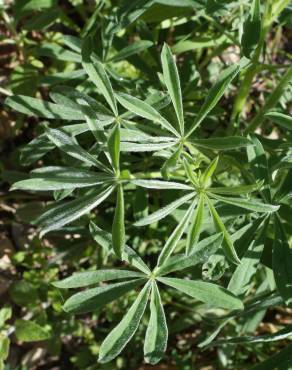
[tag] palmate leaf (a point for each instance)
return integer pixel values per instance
(165, 211)
(209, 293)
(95, 298)
(98, 76)
(143, 109)
(176, 235)
(62, 214)
(42, 108)
(216, 92)
(82, 279)
(201, 252)
(172, 82)
(58, 178)
(157, 331)
(117, 339)
(227, 244)
(118, 228)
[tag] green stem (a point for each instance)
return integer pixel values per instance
(270, 103)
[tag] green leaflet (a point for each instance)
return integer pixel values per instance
(206, 176)
(145, 147)
(30, 331)
(71, 147)
(176, 235)
(143, 109)
(259, 166)
(222, 143)
(82, 279)
(283, 120)
(137, 136)
(117, 339)
(251, 204)
(129, 255)
(227, 244)
(134, 48)
(159, 184)
(171, 162)
(216, 92)
(62, 214)
(58, 178)
(172, 82)
(280, 335)
(244, 236)
(55, 51)
(95, 298)
(281, 360)
(157, 331)
(73, 42)
(209, 293)
(282, 260)
(195, 228)
(165, 211)
(98, 76)
(42, 108)
(241, 189)
(192, 177)
(251, 29)
(203, 250)
(113, 145)
(118, 228)
(239, 282)
(209, 340)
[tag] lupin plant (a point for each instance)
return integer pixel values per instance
(125, 130)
